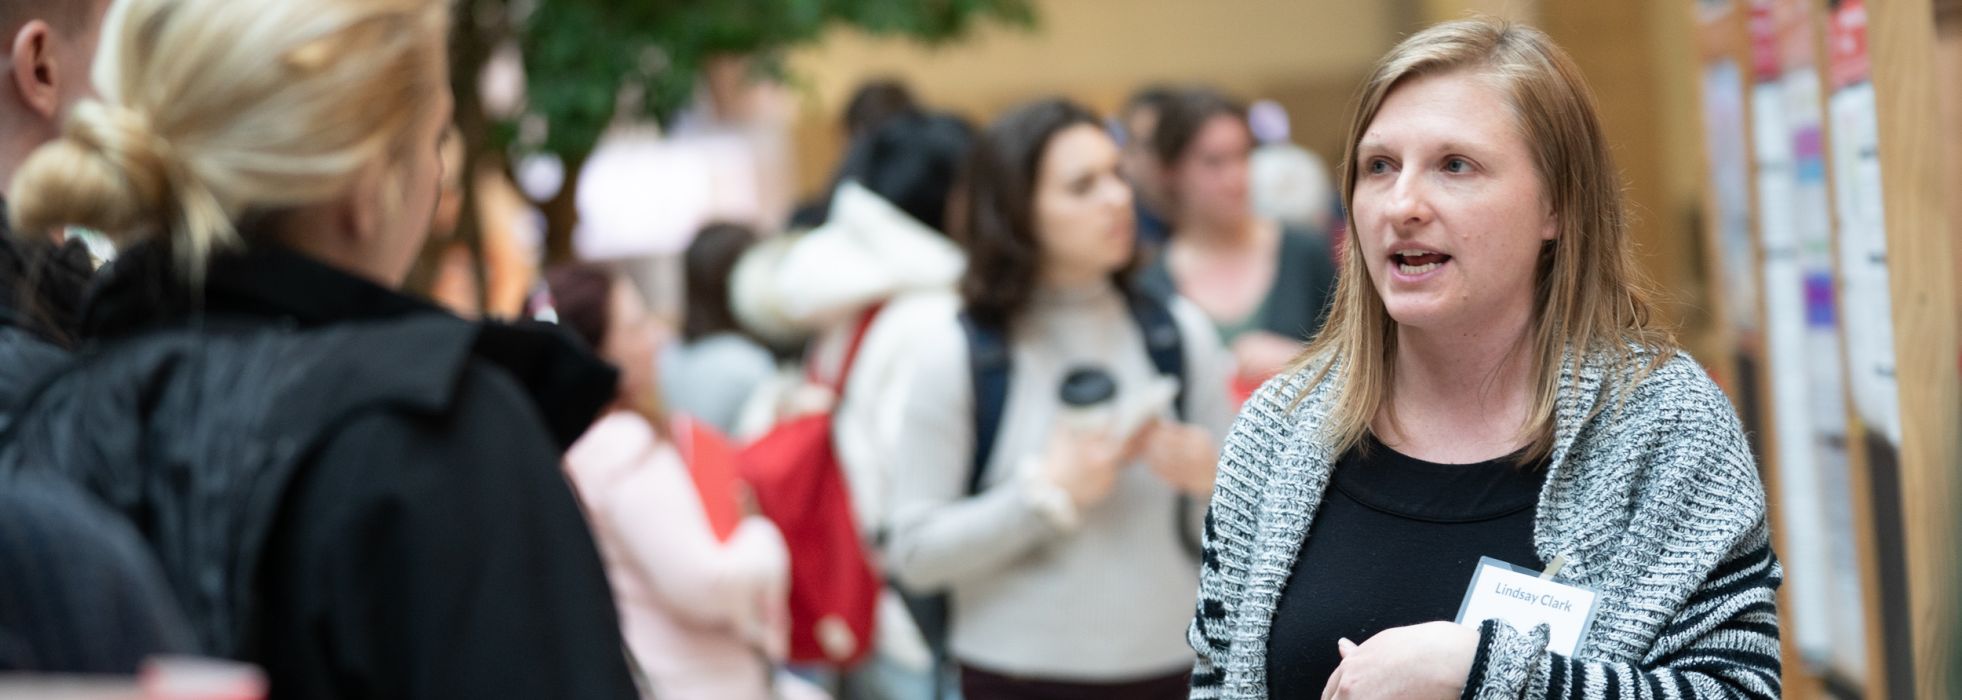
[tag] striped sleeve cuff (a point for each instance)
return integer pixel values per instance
(1508, 662)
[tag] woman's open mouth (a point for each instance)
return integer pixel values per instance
(1417, 263)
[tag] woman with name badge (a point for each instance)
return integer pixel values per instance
(1490, 475)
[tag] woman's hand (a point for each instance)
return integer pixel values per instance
(1086, 466)
(1431, 660)
(1184, 456)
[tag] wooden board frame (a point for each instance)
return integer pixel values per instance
(1904, 499)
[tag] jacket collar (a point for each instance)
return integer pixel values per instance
(142, 289)
(1587, 391)
(1576, 403)
(427, 350)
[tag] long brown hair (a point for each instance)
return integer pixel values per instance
(996, 225)
(706, 268)
(1589, 296)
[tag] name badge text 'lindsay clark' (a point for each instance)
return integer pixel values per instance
(1521, 598)
(1544, 600)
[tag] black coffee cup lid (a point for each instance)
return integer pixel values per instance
(1088, 386)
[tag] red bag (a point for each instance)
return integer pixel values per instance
(800, 485)
(713, 466)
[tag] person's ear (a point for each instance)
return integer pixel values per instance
(34, 71)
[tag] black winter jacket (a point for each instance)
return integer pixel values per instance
(41, 290)
(355, 490)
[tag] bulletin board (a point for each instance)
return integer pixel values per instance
(1803, 364)
(1825, 186)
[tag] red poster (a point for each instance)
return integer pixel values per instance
(1764, 40)
(1847, 43)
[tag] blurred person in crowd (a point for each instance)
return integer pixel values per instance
(49, 47)
(716, 367)
(874, 103)
(354, 490)
(1290, 184)
(83, 594)
(510, 269)
(1066, 546)
(1265, 286)
(701, 587)
(1136, 121)
(881, 264)
(1490, 385)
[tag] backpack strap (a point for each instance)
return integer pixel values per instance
(859, 331)
(1167, 349)
(1162, 340)
(987, 351)
(988, 367)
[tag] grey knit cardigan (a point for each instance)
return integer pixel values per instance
(1654, 499)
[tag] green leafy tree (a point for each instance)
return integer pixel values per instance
(588, 61)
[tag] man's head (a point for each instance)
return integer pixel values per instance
(1138, 119)
(876, 102)
(46, 48)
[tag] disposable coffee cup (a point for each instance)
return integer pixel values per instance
(1089, 399)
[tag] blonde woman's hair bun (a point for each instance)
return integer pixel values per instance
(111, 172)
(212, 110)
(108, 172)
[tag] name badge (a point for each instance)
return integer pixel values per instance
(1522, 598)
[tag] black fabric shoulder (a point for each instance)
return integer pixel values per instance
(83, 594)
(465, 510)
(42, 286)
(245, 403)
(26, 363)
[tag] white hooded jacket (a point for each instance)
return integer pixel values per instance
(868, 254)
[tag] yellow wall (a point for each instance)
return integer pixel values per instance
(1309, 54)
(1099, 48)
(1948, 57)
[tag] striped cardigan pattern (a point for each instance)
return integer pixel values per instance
(1652, 495)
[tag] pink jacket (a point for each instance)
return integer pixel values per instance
(703, 619)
